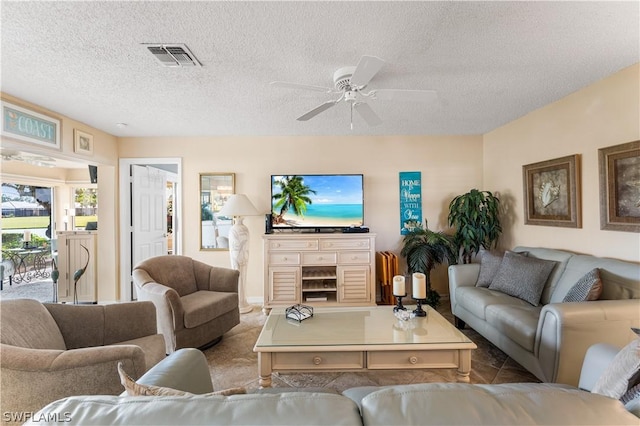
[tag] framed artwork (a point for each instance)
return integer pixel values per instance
(82, 142)
(215, 190)
(410, 201)
(619, 168)
(30, 126)
(552, 192)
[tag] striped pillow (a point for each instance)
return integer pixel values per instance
(589, 287)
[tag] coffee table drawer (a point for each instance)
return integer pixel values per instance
(412, 359)
(281, 361)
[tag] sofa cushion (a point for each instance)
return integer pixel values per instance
(476, 299)
(489, 264)
(588, 287)
(26, 323)
(290, 408)
(504, 404)
(619, 278)
(203, 306)
(517, 322)
(522, 277)
(615, 380)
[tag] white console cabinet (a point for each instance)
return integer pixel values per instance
(71, 257)
(319, 269)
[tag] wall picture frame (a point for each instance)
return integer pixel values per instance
(619, 172)
(82, 142)
(552, 192)
(29, 126)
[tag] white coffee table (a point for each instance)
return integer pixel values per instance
(355, 339)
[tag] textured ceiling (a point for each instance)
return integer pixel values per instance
(490, 62)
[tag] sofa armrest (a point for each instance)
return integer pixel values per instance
(566, 330)
(596, 360)
(464, 275)
(223, 279)
(185, 369)
(32, 378)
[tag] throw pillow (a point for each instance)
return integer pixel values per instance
(489, 264)
(136, 389)
(615, 380)
(589, 287)
(522, 277)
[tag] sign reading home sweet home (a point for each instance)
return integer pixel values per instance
(30, 126)
(410, 201)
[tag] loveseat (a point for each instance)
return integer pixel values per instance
(419, 404)
(48, 350)
(551, 337)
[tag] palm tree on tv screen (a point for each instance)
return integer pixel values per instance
(294, 195)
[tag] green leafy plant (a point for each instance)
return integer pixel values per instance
(475, 215)
(424, 250)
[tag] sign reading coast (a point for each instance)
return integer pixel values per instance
(30, 126)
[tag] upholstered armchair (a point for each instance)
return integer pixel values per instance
(195, 303)
(51, 351)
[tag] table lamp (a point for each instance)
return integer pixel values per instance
(237, 206)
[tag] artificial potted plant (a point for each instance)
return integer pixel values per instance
(424, 250)
(475, 216)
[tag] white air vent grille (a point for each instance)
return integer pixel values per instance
(173, 55)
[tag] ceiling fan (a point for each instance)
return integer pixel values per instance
(350, 83)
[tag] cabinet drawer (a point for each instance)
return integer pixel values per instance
(345, 244)
(412, 359)
(352, 257)
(284, 258)
(320, 258)
(317, 360)
(290, 245)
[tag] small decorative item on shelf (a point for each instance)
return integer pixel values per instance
(419, 293)
(399, 291)
(299, 312)
(404, 315)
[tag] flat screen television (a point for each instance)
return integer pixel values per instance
(317, 201)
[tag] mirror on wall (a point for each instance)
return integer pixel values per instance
(215, 190)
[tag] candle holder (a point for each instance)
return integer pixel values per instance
(399, 306)
(418, 311)
(27, 244)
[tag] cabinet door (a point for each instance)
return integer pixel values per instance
(285, 285)
(72, 257)
(353, 284)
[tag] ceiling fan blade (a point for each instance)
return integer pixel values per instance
(367, 114)
(317, 110)
(365, 70)
(406, 95)
(301, 86)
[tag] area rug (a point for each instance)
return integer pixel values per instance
(232, 363)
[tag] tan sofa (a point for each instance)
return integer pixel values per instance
(550, 339)
(50, 351)
(196, 303)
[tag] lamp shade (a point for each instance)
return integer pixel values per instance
(238, 205)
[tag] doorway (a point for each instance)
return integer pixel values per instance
(138, 242)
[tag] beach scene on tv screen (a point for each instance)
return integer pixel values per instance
(317, 200)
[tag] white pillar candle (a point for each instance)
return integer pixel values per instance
(27, 236)
(399, 288)
(419, 286)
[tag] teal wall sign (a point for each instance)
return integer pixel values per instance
(30, 126)
(410, 201)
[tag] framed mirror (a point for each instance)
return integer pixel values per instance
(215, 190)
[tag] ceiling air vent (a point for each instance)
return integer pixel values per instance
(173, 55)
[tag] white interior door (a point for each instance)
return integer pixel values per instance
(149, 213)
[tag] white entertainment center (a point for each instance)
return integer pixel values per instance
(319, 269)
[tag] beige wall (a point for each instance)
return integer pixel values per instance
(105, 155)
(450, 165)
(603, 114)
